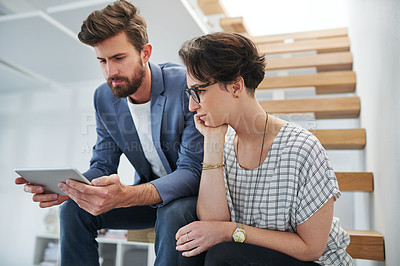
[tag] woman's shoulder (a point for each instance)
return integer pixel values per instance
(299, 139)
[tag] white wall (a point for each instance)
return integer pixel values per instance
(41, 129)
(375, 41)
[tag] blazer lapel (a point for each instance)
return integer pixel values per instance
(157, 111)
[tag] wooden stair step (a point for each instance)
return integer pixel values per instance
(325, 82)
(323, 108)
(355, 181)
(323, 62)
(298, 36)
(340, 139)
(142, 235)
(368, 245)
(235, 25)
(211, 7)
(329, 45)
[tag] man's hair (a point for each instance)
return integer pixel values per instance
(111, 20)
(224, 57)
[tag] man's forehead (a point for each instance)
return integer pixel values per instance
(116, 44)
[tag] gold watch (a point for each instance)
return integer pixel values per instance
(240, 234)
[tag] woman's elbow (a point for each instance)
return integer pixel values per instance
(312, 254)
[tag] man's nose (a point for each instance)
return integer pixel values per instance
(111, 69)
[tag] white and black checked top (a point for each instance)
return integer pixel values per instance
(295, 180)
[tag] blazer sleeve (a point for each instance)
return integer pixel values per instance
(185, 180)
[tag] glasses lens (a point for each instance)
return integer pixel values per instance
(187, 93)
(195, 96)
(192, 93)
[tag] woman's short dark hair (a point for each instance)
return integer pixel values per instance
(224, 57)
(111, 20)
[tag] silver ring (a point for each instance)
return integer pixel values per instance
(187, 236)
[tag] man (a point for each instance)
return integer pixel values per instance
(142, 111)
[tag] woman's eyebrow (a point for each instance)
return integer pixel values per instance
(195, 86)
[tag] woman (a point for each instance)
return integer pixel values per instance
(267, 188)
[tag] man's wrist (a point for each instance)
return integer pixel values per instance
(140, 195)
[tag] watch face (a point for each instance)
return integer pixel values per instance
(239, 236)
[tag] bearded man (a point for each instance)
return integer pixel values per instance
(142, 112)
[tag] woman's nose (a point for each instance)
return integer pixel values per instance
(193, 105)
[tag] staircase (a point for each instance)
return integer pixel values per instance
(332, 59)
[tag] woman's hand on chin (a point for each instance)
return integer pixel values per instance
(210, 131)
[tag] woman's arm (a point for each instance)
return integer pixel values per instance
(307, 244)
(212, 204)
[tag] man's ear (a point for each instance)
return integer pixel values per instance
(146, 52)
(237, 87)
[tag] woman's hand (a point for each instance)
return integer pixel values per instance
(199, 236)
(207, 131)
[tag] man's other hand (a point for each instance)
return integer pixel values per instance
(105, 193)
(45, 200)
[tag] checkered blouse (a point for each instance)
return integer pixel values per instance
(295, 180)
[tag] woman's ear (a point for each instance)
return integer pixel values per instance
(237, 87)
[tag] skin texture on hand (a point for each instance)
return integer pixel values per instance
(104, 194)
(107, 193)
(44, 200)
(199, 236)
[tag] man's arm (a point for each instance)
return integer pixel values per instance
(185, 180)
(107, 193)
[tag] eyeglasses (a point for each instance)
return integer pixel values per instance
(194, 92)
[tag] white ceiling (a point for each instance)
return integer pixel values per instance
(39, 48)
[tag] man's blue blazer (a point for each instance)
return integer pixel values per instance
(178, 143)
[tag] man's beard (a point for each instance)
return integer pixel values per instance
(131, 84)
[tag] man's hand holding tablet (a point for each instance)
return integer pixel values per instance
(43, 183)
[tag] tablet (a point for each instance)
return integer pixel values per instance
(49, 178)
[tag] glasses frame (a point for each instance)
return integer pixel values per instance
(194, 91)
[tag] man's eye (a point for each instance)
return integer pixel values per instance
(119, 58)
(102, 61)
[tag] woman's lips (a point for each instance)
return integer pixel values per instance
(201, 117)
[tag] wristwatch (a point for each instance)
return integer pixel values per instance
(239, 235)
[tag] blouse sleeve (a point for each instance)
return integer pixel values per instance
(317, 181)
